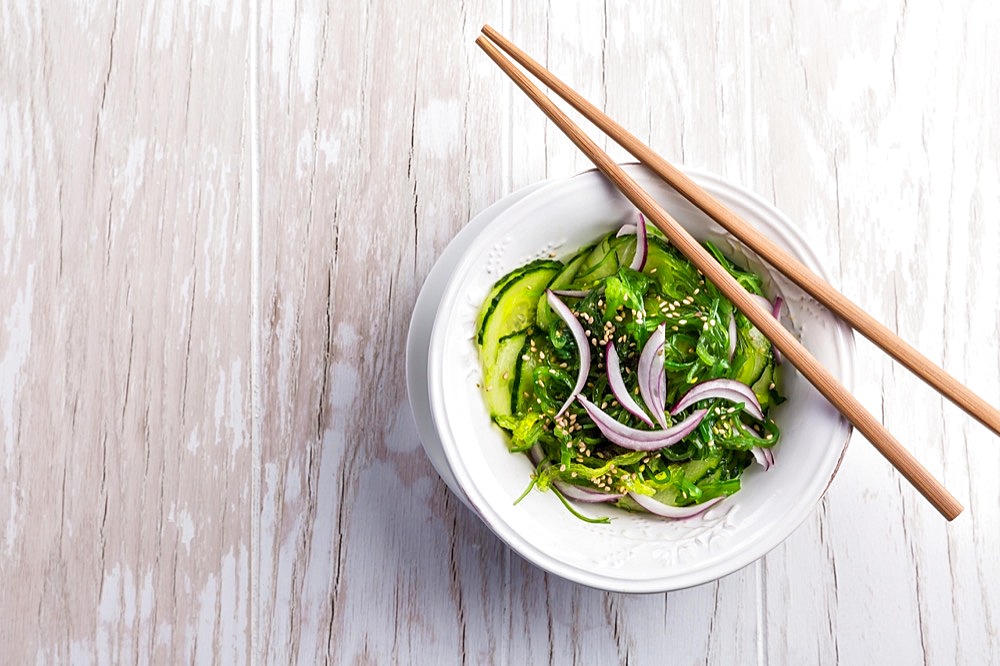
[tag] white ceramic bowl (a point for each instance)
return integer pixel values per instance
(636, 552)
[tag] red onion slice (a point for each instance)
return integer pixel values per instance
(626, 230)
(583, 495)
(667, 511)
(572, 293)
(617, 383)
(762, 302)
(727, 389)
(764, 457)
(776, 312)
(582, 344)
(653, 376)
(640, 440)
(641, 245)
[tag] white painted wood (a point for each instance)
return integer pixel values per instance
(126, 494)
(124, 362)
(874, 131)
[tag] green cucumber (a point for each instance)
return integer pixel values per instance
(524, 383)
(499, 376)
(753, 352)
(501, 285)
(605, 259)
(503, 332)
(544, 316)
(768, 388)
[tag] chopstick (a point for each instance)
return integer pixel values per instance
(766, 249)
(794, 352)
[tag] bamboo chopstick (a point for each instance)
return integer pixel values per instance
(793, 350)
(766, 249)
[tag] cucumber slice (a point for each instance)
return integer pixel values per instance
(768, 388)
(753, 352)
(501, 285)
(503, 333)
(605, 259)
(524, 383)
(544, 316)
(499, 376)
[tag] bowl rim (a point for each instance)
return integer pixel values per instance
(754, 548)
(418, 336)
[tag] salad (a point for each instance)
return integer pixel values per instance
(627, 378)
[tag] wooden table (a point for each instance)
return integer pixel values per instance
(215, 219)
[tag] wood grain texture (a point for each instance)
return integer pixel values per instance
(374, 153)
(875, 132)
(123, 355)
(126, 256)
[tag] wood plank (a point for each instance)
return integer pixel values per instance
(873, 131)
(124, 358)
(374, 154)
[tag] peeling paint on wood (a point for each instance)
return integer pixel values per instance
(128, 366)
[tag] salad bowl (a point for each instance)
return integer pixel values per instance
(634, 552)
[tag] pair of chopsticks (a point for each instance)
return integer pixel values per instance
(787, 344)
